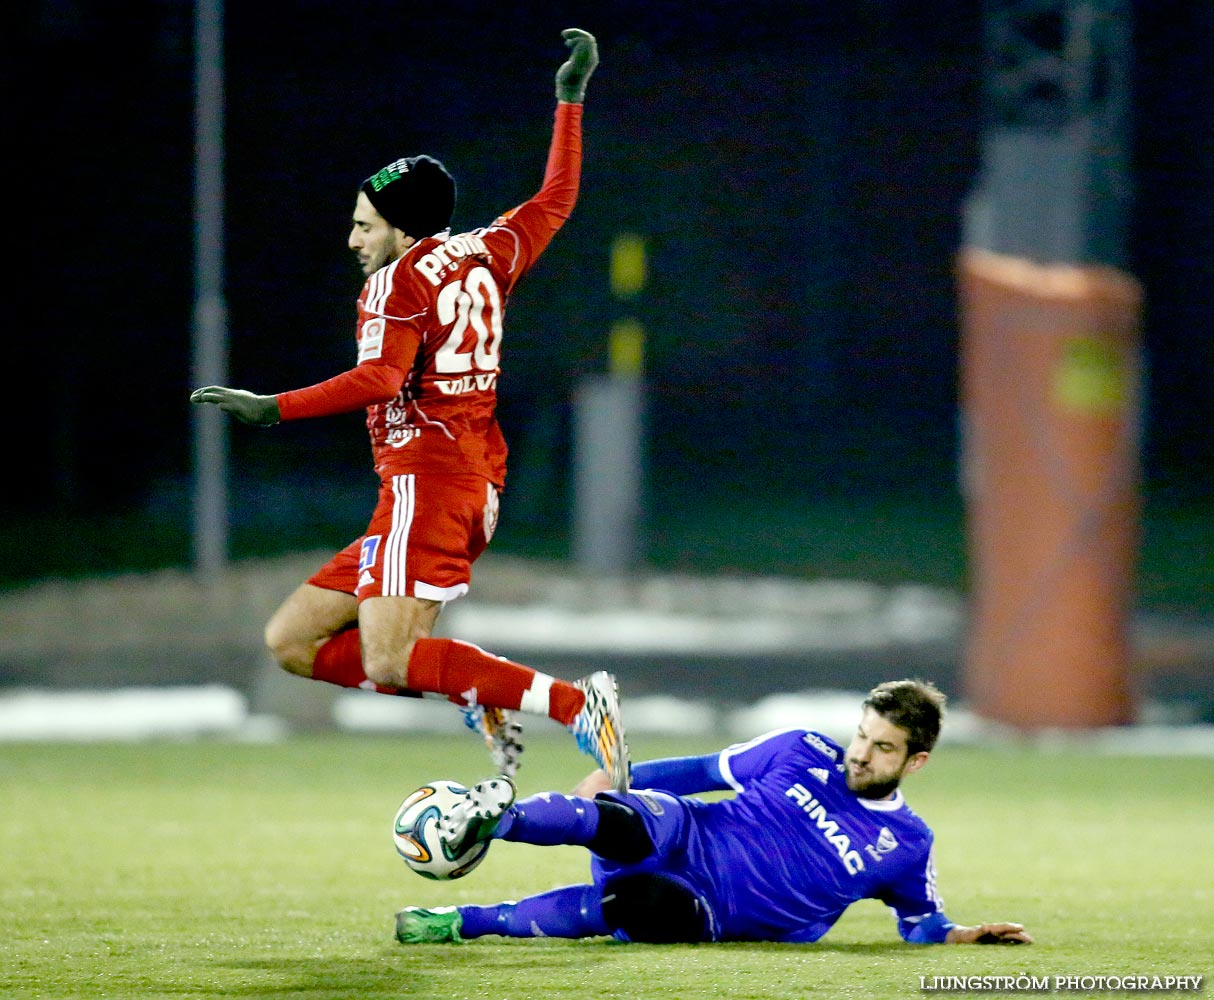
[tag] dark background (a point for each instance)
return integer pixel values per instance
(797, 169)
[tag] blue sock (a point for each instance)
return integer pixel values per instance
(573, 911)
(549, 818)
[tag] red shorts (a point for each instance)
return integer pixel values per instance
(423, 538)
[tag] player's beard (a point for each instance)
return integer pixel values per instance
(877, 789)
(374, 262)
(387, 253)
(873, 787)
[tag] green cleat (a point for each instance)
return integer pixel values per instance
(417, 925)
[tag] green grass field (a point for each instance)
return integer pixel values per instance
(205, 869)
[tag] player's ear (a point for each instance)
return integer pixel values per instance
(916, 762)
(401, 242)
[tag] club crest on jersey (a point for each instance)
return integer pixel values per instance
(886, 842)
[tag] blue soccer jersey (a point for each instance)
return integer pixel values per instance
(782, 859)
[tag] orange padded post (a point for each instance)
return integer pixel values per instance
(1050, 387)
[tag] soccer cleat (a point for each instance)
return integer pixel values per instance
(598, 729)
(503, 735)
(417, 925)
(474, 817)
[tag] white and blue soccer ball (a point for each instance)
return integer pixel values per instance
(415, 833)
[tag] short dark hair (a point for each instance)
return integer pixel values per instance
(914, 705)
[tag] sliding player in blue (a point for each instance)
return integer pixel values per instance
(813, 828)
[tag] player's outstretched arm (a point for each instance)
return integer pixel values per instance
(575, 71)
(998, 933)
(676, 775)
(245, 406)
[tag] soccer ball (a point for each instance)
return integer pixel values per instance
(415, 833)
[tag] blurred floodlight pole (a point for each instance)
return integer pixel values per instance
(1051, 370)
(608, 434)
(209, 345)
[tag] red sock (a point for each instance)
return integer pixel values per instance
(466, 674)
(340, 661)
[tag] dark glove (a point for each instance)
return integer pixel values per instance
(575, 71)
(247, 407)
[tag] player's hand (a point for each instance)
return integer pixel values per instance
(1000, 933)
(575, 71)
(245, 406)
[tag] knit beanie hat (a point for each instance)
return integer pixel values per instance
(414, 194)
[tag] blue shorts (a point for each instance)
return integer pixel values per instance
(670, 822)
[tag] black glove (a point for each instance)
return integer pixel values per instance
(247, 407)
(575, 71)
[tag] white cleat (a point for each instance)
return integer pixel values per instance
(476, 815)
(503, 735)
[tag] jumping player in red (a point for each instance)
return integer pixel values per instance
(429, 349)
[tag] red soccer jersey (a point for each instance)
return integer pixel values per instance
(430, 333)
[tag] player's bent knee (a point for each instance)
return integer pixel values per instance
(304, 622)
(298, 665)
(293, 656)
(654, 909)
